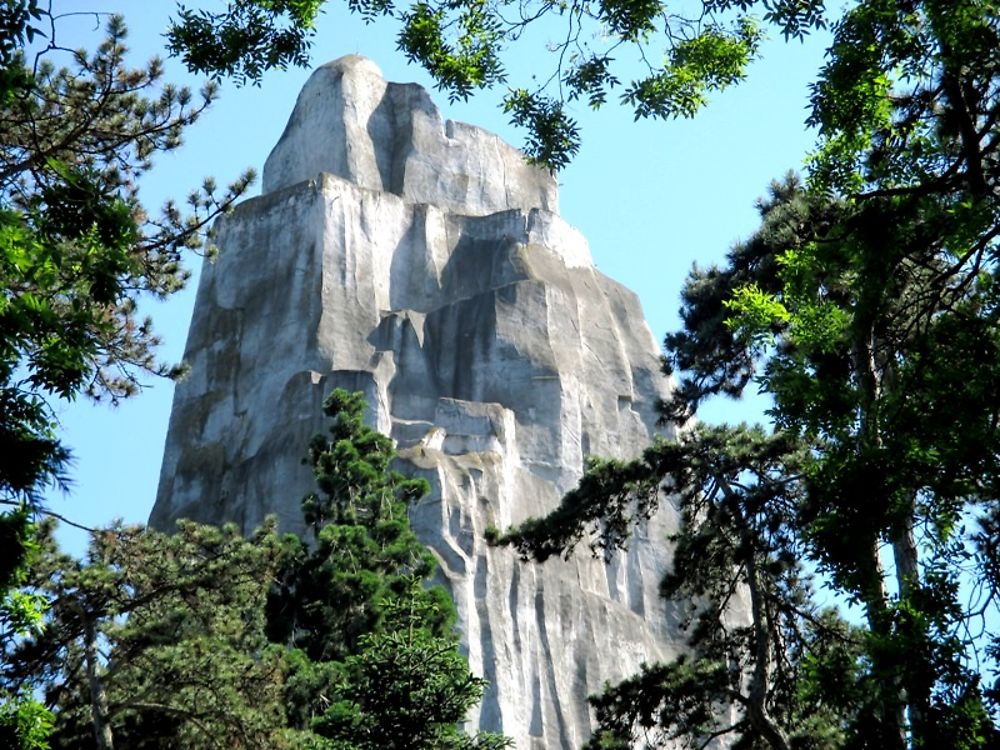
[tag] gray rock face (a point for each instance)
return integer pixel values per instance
(389, 137)
(424, 263)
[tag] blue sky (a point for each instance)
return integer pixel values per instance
(652, 198)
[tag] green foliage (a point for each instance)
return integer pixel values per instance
(552, 139)
(687, 54)
(866, 308)
(17, 19)
(374, 662)
(711, 61)
(610, 498)
(406, 688)
(77, 246)
(154, 640)
(655, 701)
(755, 313)
(363, 551)
(738, 491)
(16, 544)
(708, 353)
(77, 250)
(25, 725)
(904, 95)
(246, 39)
(182, 619)
(471, 61)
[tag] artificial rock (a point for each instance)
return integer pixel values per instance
(424, 263)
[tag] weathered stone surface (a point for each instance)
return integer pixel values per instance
(445, 286)
(348, 121)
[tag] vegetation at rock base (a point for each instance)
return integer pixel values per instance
(376, 661)
(154, 640)
(866, 308)
(203, 638)
(406, 687)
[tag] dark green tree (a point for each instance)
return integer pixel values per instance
(406, 687)
(361, 552)
(866, 309)
(375, 662)
(154, 641)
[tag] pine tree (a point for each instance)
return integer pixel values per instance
(362, 551)
(376, 663)
(406, 688)
(77, 248)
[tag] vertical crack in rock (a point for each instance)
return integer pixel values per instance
(424, 263)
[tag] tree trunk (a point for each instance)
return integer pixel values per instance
(98, 695)
(763, 630)
(893, 707)
(918, 689)
(873, 593)
(757, 710)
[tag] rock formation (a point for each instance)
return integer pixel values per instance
(424, 262)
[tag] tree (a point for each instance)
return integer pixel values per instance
(406, 687)
(78, 246)
(155, 640)
(362, 551)
(376, 661)
(756, 506)
(682, 55)
(866, 308)
(24, 723)
(77, 250)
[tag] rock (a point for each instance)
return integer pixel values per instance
(389, 137)
(424, 263)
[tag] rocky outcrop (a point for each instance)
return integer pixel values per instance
(389, 137)
(424, 263)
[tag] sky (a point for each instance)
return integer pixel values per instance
(652, 198)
